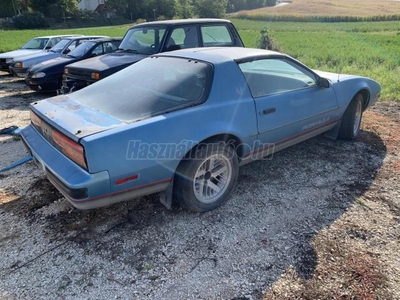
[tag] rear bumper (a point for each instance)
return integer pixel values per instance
(75, 183)
(81, 188)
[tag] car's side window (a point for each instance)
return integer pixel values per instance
(72, 46)
(183, 37)
(109, 47)
(54, 41)
(98, 50)
(275, 75)
(147, 40)
(216, 35)
(43, 43)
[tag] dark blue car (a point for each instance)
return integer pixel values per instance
(47, 76)
(145, 39)
(20, 65)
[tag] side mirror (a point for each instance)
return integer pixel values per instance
(323, 82)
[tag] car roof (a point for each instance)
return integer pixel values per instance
(106, 39)
(182, 22)
(216, 55)
(85, 36)
(53, 36)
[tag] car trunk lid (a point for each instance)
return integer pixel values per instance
(72, 118)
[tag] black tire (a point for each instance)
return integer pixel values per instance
(199, 192)
(351, 120)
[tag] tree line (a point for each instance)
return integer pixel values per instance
(134, 9)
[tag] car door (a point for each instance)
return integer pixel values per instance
(290, 104)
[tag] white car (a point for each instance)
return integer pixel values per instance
(35, 45)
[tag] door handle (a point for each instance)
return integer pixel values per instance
(268, 111)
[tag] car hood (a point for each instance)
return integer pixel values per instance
(333, 77)
(72, 118)
(20, 52)
(108, 61)
(41, 56)
(51, 63)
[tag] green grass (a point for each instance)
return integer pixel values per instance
(364, 48)
(368, 54)
(369, 49)
(14, 39)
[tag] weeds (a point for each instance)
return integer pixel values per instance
(266, 41)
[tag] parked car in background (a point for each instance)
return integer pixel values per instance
(35, 45)
(149, 38)
(47, 76)
(20, 66)
(182, 122)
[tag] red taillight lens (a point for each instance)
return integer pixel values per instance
(70, 148)
(67, 146)
(36, 120)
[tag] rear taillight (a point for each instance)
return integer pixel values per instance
(70, 148)
(36, 121)
(67, 146)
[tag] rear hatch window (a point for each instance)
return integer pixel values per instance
(148, 88)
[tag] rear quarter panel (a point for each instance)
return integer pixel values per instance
(229, 109)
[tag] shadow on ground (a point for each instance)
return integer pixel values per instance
(236, 251)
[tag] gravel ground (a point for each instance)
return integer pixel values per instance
(275, 239)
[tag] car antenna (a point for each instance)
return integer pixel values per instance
(338, 74)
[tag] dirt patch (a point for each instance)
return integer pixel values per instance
(357, 253)
(318, 221)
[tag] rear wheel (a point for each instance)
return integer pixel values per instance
(351, 121)
(205, 181)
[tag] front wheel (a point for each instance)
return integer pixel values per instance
(206, 180)
(351, 121)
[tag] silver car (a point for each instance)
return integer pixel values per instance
(19, 66)
(35, 45)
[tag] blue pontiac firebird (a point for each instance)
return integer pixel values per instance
(181, 123)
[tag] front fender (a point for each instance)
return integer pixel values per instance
(347, 88)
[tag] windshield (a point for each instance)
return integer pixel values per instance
(82, 49)
(151, 87)
(143, 40)
(36, 43)
(60, 45)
